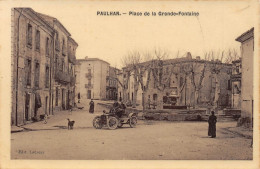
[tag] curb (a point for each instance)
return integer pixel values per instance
(16, 129)
(238, 133)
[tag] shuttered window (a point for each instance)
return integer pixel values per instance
(37, 74)
(29, 35)
(37, 40)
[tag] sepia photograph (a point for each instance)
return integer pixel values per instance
(142, 80)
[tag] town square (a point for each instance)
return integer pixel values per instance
(132, 83)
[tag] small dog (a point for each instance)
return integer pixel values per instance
(70, 124)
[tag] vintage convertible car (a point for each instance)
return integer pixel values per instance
(112, 121)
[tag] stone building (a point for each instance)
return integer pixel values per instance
(179, 83)
(247, 82)
(63, 74)
(112, 84)
(33, 49)
(91, 79)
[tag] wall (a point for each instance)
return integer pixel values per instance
(247, 78)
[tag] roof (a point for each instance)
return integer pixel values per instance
(237, 61)
(245, 36)
(73, 41)
(91, 59)
(37, 15)
(53, 20)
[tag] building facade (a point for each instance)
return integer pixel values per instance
(112, 84)
(33, 73)
(91, 79)
(179, 83)
(63, 73)
(247, 82)
(31, 62)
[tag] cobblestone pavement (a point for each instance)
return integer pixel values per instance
(150, 140)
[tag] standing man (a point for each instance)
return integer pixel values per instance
(212, 125)
(91, 106)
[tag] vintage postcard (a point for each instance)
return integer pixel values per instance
(129, 84)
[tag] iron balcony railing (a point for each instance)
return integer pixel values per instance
(88, 85)
(62, 77)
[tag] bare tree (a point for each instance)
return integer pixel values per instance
(195, 72)
(231, 55)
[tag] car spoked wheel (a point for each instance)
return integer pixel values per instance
(112, 123)
(133, 121)
(97, 122)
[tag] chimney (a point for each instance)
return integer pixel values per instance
(189, 55)
(218, 61)
(198, 57)
(86, 57)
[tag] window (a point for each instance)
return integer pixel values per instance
(63, 48)
(71, 70)
(37, 40)
(29, 35)
(155, 98)
(63, 66)
(167, 70)
(89, 82)
(181, 81)
(229, 85)
(37, 75)
(28, 75)
(57, 42)
(47, 47)
(56, 96)
(56, 62)
(236, 89)
(47, 77)
(237, 69)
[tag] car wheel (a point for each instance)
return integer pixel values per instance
(112, 123)
(133, 121)
(97, 123)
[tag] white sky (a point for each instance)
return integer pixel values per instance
(111, 37)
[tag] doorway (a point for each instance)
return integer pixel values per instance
(89, 94)
(46, 105)
(68, 100)
(27, 106)
(63, 98)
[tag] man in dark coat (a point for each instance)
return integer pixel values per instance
(91, 106)
(212, 125)
(121, 109)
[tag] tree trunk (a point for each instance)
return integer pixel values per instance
(196, 97)
(135, 90)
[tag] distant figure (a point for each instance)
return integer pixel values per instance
(121, 110)
(212, 125)
(91, 106)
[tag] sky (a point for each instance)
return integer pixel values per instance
(111, 37)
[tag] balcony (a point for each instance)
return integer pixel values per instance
(62, 77)
(72, 58)
(235, 77)
(88, 75)
(72, 80)
(88, 86)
